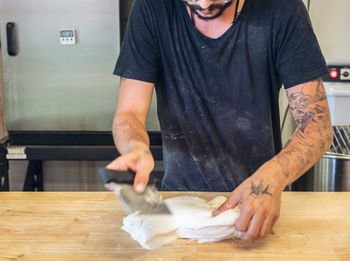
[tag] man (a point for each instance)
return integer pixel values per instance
(217, 67)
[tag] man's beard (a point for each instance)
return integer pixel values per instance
(220, 9)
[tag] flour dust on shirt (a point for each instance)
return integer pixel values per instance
(218, 98)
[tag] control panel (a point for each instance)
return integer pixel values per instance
(338, 73)
(337, 87)
(68, 37)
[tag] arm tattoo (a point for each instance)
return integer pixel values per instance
(310, 111)
(304, 108)
(284, 162)
(259, 191)
(302, 100)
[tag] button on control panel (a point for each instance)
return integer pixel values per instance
(345, 74)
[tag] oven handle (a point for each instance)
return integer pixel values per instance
(12, 49)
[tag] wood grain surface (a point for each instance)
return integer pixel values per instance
(86, 226)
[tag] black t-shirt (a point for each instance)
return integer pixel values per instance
(218, 98)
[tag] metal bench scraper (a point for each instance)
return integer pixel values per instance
(149, 202)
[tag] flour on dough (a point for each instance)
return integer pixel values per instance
(191, 219)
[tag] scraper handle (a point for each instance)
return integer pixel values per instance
(120, 177)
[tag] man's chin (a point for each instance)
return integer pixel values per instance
(213, 14)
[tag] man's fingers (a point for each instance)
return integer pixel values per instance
(141, 180)
(266, 227)
(124, 162)
(244, 219)
(116, 165)
(254, 227)
(141, 164)
(274, 220)
(130, 162)
(144, 168)
(230, 203)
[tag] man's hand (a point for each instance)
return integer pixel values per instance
(139, 160)
(260, 199)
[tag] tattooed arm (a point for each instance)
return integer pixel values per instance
(314, 134)
(129, 131)
(260, 194)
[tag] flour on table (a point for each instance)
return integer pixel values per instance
(191, 219)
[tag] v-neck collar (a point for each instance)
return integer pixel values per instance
(189, 22)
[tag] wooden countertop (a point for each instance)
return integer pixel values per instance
(86, 226)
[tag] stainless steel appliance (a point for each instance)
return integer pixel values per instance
(332, 172)
(58, 58)
(51, 85)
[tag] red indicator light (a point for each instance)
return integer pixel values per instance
(333, 74)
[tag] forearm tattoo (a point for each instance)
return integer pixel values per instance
(312, 136)
(260, 190)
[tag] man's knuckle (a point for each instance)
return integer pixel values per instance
(249, 237)
(148, 164)
(261, 209)
(248, 209)
(252, 237)
(238, 223)
(239, 226)
(273, 214)
(245, 238)
(265, 230)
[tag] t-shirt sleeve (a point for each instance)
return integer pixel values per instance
(298, 55)
(139, 54)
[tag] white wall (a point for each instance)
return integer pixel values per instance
(331, 19)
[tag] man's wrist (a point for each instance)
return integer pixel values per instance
(283, 180)
(138, 145)
(273, 175)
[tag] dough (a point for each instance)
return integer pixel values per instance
(191, 218)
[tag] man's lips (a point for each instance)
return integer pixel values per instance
(206, 12)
